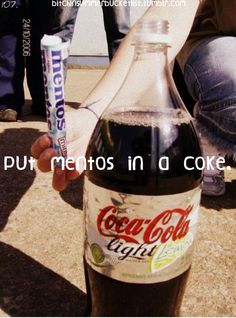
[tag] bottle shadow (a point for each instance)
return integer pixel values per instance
(227, 201)
(28, 289)
(14, 183)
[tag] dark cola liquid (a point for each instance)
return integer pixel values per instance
(129, 135)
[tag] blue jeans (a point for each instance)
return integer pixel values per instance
(11, 58)
(210, 75)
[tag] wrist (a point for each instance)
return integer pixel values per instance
(90, 109)
(97, 107)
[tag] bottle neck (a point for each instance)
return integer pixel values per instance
(152, 59)
(146, 82)
(144, 51)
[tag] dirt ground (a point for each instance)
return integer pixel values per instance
(41, 233)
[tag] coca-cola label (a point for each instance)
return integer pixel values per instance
(138, 238)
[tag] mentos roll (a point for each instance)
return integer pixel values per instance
(53, 54)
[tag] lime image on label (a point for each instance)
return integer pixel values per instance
(97, 253)
(168, 253)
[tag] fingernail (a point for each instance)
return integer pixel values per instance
(59, 171)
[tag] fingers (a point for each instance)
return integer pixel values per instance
(62, 176)
(44, 160)
(72, 174)
(41, 150)
(40, 145)
(59, 181)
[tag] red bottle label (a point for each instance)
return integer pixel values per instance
(137, 238)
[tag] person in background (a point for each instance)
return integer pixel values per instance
(208, 63)
(11, 61)
(44, 19)
(40, 18)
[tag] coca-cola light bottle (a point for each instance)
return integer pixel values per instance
(142, 209)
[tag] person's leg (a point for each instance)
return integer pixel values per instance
(210, 74)
(11, 63)
(39, 14)
(58, 21)
(64, 25)
(117, 25)
(35, 76)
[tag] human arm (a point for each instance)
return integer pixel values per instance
(180, 20)
(80, 124)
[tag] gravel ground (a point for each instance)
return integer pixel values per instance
(41, 233)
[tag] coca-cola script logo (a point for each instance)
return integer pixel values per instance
(110, 224)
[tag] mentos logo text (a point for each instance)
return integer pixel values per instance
(54, 86)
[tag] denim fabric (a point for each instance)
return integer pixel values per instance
(11, 59)
(210, 75)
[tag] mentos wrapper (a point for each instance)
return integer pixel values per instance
(53, 54)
